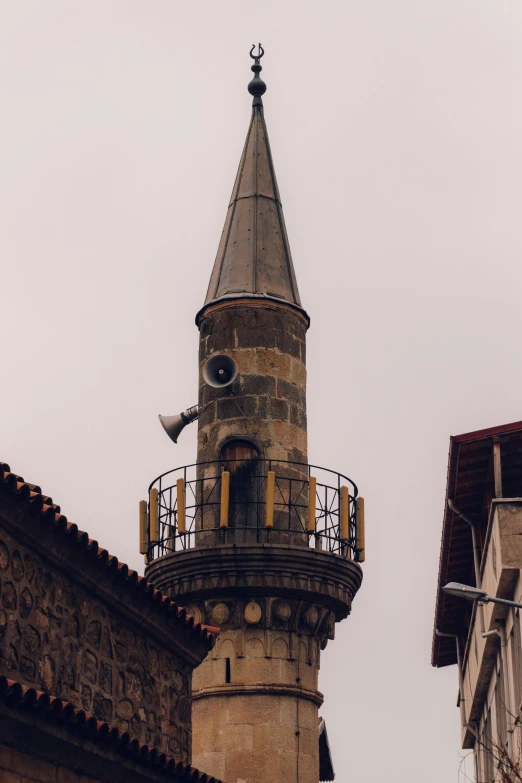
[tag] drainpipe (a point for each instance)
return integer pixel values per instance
(501, 633)
(476, 555)
(461, 676)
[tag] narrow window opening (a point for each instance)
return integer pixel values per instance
(227, 670)
(241, 459)
(237, 454)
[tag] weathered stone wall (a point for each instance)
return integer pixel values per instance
(255, 696)
(267, 402)
(265, 405)
(58, 637)
(17, 767)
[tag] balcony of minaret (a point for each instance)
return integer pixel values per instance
(244, 500)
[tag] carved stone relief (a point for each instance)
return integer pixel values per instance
(57, 637)
(220, 614)
(300, 617)
(253, 613)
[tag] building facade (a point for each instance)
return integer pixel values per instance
(95, 663)
(482, 546)
(253, 539)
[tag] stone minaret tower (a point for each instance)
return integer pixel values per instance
(253, 539)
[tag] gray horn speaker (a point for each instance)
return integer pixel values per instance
(220, 371)
(173, 425)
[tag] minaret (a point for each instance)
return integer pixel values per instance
(253, 539)
(253, 312)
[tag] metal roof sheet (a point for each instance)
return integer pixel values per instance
(254, 258)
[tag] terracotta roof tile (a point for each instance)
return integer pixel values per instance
(14, 694)
(49, 513)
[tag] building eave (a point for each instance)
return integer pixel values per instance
(59, 727)
(469, 471)
(25, 510)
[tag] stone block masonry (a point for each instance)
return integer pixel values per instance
(17, 767)
(255, 696)
(266, 719)
(48, 741)
(266, 404)
(76, 624)
(61, 639)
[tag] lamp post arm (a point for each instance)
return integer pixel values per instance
(502, 601)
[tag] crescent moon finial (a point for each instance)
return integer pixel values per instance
(257, 87)
(260, 52)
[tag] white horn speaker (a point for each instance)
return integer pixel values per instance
(220, 371)
(173, 425)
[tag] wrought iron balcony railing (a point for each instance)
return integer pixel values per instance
(256, 501)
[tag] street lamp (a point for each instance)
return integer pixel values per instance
(476, 594)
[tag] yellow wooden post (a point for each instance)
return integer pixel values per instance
(225, 495)
(180, 489)
(153, 515)
(270, 494)
(312, 490)
(143, 527)
(359, 528)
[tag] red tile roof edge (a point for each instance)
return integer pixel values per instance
(49, 512)
(487, 433)
(15, 694)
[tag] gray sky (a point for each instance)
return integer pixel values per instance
(396, 132)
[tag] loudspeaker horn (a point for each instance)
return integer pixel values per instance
(220, 371)
(173, 425)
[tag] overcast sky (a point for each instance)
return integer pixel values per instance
(396, 132)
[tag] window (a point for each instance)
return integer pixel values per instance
(238, 452)
(241, 459)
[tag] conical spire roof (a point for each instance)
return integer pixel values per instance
(254, 258)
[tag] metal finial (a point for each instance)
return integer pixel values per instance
(257, 87)
(260, 52)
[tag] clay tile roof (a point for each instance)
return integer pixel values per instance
(14, 694)
(42, 507)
